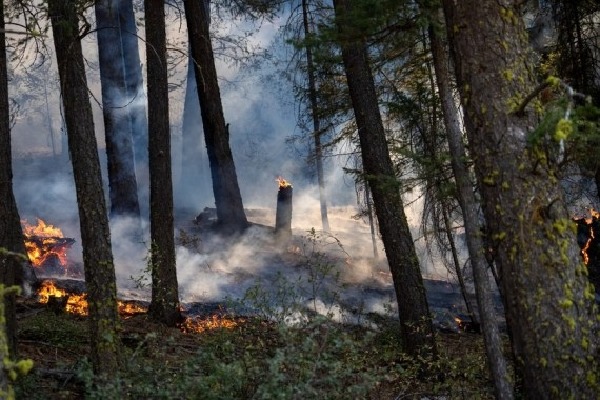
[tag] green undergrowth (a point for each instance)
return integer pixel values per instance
(255, 359)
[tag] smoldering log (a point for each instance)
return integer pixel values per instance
(283, 217)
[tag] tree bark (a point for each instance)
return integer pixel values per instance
(549, 303)
(468, 204)
(11, 233)
(416, 325)
(134, 83)
(116, 106)
(93, 219)
(165, 294)
(228, 199)
(314, 106)
(194, 184)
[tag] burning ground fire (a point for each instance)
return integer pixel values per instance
(46, 245)
(200, 325)
(77, 304)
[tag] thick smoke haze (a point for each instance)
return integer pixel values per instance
(210, 269)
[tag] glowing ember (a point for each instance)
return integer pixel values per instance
(44, 242)
(589, 221)
(199, 325)
(283, 183)
(76, 303)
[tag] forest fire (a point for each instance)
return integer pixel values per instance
(200, 325)
(77, 303)
(45, 244)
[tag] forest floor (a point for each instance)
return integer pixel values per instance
(244, 358)
(312, 319)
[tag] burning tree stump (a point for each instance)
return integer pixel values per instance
(283, 217)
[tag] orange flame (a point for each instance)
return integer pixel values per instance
(200, 325)
(76, 303)
(131, 308)
(595, 214)
(42, 242)
(283, 183)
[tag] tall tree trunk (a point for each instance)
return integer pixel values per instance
(116, 105)
(314, 106)
(134, 84)
(415, 320)
(549, 303)
(468, 205)
(11, 233)
(165, 294)
(93, 218)
(193, 185)
(228, 199)
(441, 200)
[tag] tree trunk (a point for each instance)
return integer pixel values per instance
(228, 199)
(165, 294)
(193, 186)
(549, 303)
(134, 84)
(116, 106)
(11, 233)
(314, 106)
(416, 326)
(468, 205)
(93, 219)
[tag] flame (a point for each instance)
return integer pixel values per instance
(589, 220)
(76, 303)
(283, 183)
(131, 308)
(200, 325)
(43, 241)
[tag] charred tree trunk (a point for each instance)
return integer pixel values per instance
(314, 106)
(228, 199)
(116, 106)
(193, 186)
(549, 303)
(165, 294)
(93, 218)
(283, 216)
(134, 84)
(416, 326)
(11, 234)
